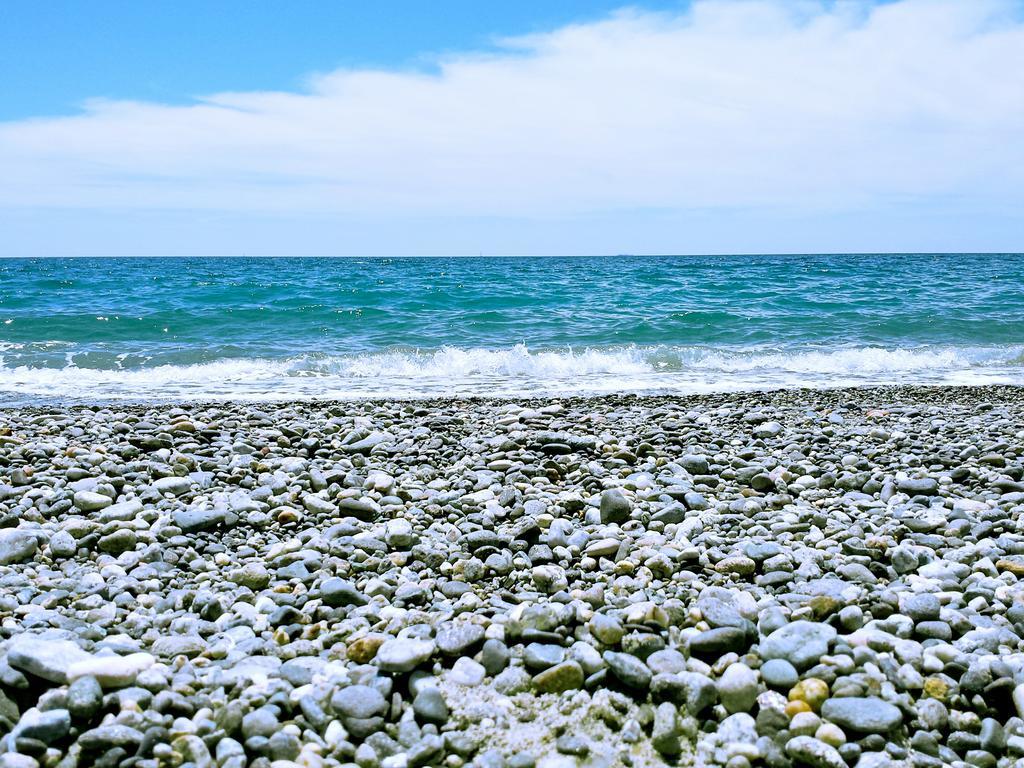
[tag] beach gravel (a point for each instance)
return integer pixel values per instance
(799, 578)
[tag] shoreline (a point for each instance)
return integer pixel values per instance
(912, 391)
(787, 577)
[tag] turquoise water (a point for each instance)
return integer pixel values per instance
(146, 329)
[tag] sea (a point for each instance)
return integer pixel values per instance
(95, 330)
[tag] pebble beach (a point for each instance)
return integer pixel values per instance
(793, 578)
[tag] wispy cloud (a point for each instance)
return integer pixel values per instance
(790, 106)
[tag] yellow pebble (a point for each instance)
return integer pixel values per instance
(813, 691)
(796, 707)
(936, 688)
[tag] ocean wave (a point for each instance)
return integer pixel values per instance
(515, 370)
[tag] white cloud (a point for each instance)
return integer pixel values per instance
(788, 106)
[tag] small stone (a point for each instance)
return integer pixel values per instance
(628, 669)
(665, 732)
(465, 671)
(809, 751)
(170, 646)
(779, 674)
(176, 486)
(812, 691)
(363, 649)
(62, 545)
(85, 696)
(566, 676)
(359, 701)
(922, 486)
(719, 641)
(458, 638)
(430, 706)
(543, 655)
(260, 722)
(831, 734)
(740, 565)
(494, 656)
(403, 654)
(737, 688)
(804, 724)
(606, 628)
(252, 575)
(399, 534)
(921, 607)
(118, 542)
(933, 714)
(513, 680)
(194, 520)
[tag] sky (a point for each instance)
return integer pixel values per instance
(534, 127)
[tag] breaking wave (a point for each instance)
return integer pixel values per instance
(511, 371)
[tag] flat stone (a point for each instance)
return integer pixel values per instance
(109, 736)
(179, 645)
(46, 659)
(337, 593)
(90, 501)
(46, 726)
(628, 669)
(543, 655)
(111, 671)
(919, 486)
(458, 638)
(801, 643)
(403, 654)
(193, 520)
(567, 676)
(173, 485)
(864, 715)
(719, 641)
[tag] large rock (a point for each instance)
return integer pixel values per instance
(16, 545)
(111, 671)
(801, 643)
(173, 485)
(193, 520)
(90, 501)
(615, 507)
(46, 659)
(864, 715)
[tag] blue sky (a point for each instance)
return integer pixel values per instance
(55, 55)
(457, 127)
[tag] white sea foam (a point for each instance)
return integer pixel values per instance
(515, 371)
